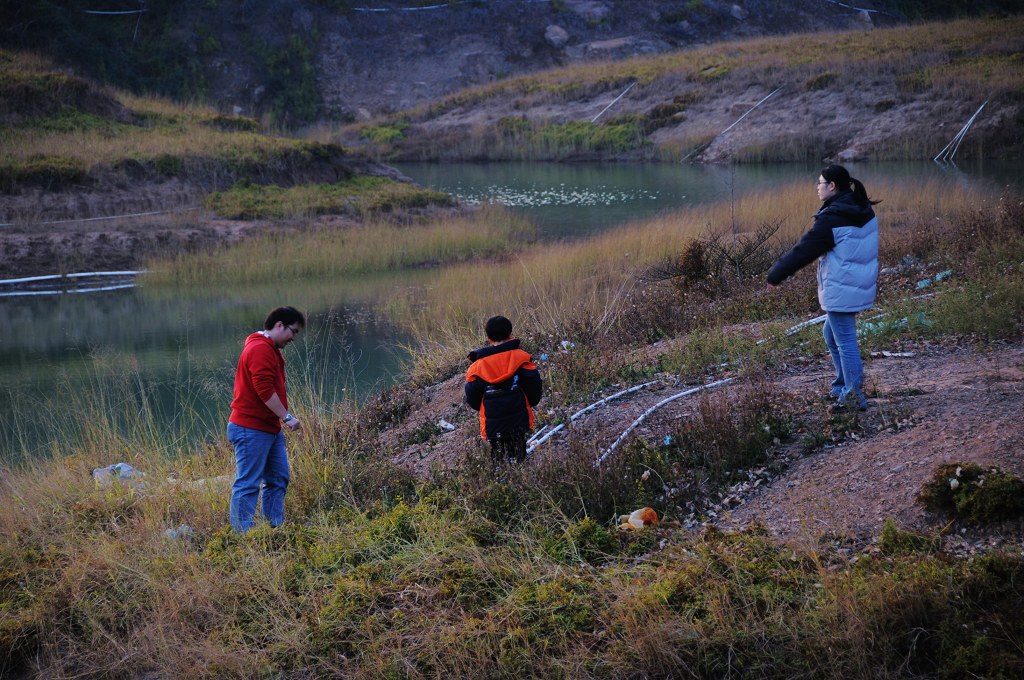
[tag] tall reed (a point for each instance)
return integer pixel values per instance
(548, 283)
(377, 246)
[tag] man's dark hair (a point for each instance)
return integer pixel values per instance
(286, 315)
(498, 328)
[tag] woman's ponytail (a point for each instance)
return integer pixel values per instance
(860, 194)
(841, 177)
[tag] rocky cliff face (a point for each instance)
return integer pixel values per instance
(366, 63)
(373, 62)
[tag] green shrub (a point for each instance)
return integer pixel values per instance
(585, 541)
(385, 134)
(50, 172)
(820, 81)
(894, 542)
(576, 137)
(513, 126)
(291, 83)
(169, 165)
(972, 493)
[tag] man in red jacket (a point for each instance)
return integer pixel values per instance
(503, 384)
(257, 411)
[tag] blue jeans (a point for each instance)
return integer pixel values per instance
(260, 457)
(840, 333)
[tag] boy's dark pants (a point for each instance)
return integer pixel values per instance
(508, 447)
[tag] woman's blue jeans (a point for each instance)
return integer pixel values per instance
(260, 457)
(840, 333)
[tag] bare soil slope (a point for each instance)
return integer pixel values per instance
(943, 404)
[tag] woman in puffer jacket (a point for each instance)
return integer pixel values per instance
(845, 237)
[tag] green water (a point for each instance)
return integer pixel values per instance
(161, 361)
(569, 201)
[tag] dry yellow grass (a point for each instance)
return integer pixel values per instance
(371, 247)
(545, 284)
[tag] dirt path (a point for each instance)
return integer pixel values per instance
(940, 405)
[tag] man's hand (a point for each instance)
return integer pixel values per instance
(293, 424)
(771, 286)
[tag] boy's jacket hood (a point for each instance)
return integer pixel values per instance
(497, 363)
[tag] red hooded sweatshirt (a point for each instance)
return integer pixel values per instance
(260, 373)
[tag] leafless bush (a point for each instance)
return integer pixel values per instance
(714, 263)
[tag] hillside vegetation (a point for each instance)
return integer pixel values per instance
(61, 131)
(72, 149)
(295, 62)
(893, 93)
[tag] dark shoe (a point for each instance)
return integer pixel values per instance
(841, 406)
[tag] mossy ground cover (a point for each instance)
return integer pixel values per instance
(426, 585)
(359, 196)
(974, 494)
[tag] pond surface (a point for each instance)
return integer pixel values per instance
(568, 201)
(162, 361)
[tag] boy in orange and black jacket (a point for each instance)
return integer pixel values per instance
(504, 385)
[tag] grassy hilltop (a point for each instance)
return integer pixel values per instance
(72, 149)
(62, 132)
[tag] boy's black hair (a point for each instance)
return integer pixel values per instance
(498, 328)
(286, 315)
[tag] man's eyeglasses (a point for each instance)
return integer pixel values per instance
(295, 331)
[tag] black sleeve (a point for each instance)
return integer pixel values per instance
(475, 393)
(533, 388)
(812, 245)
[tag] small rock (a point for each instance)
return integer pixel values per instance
(183, 532)
(590, 11)
(118, 472)
(556, 36)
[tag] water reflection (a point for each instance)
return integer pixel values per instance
(538, 196)
(176, 350)
(171, 351)
(573, 200)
